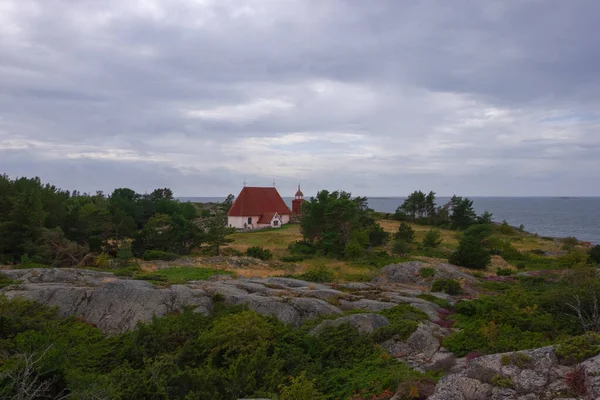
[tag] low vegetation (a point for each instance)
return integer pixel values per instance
(232, 354)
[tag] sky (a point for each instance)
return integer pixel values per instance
(378, 98)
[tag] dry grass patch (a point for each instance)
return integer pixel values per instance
(276, 240)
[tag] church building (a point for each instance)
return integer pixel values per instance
(262, 207)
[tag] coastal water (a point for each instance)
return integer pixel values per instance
(547, 216)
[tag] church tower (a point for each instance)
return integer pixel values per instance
(297, 202)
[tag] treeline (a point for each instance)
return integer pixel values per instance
(41, 223)
(457, 214)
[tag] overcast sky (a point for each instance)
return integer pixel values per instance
(375, 97)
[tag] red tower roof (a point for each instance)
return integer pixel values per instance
(299, 192)
(258, 201)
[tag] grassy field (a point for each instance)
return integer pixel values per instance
(276, 240)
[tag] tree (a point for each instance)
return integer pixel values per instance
(432, 239)
(485, 218)
(463, 214)
(172, 234)
(330, 218)
(471, 252)
(217, 232)
(58, 251)
(405, 233)
(225, 206)
(594, 254)
(401, 248)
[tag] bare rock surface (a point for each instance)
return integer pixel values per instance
(116, 305)
(410, 273)
(524, 375)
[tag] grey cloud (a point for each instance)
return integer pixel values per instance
(418, 81)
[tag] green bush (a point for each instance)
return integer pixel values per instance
(233, 353)
(354, 249)
(449, 286)
(573, 258)
(300, 388)
(569, 243)
(292, 258)
(432, 239)
(303, 248)
(471, 253)
(129, 272)
(506, 229)
(404, 320)
(504, 272)
(576, 349)
(259, 252)
(401, 247)
(405, 233)
(152, 255)
(427, 272)
(319, 274)
(5, 281)
(594, 254)
(228, 252)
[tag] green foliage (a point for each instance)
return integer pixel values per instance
(435, 300)
(319, 274)
(504, 272)
(405, 233)
(427, 272)
(300, 388)
(528, 313)
(259, 252)
(471, 252)
(235, 353)
(217, 232)
(449, 286)
(302, 248)
(403, 319)
(292, 258)
(574, 258)
(6, 281)
(61, 228)
(377, 235)
(432, 239)
(418, 207)
(485, 218)
(332, 220)
(463, 214)
(569, 243)
(579, 348)
(506, 229)
(594, 254)
(401, 248)
(502, 381)
(151, 255)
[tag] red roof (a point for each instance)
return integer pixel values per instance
(266, 218)
(299, 192)
(254, 201)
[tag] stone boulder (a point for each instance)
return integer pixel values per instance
(410, 273)
(523, 375)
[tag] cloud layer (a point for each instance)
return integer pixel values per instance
(378, 98)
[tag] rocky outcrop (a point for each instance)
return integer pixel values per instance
(113, 305)
(410, 273)
(364, 323)
(525, 375)
(116, 305)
